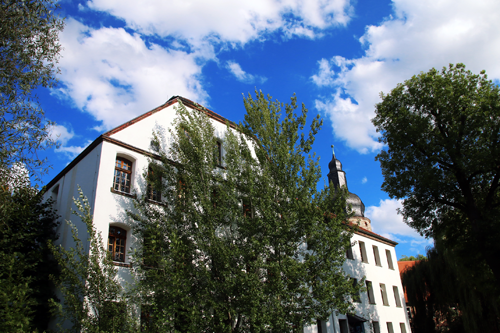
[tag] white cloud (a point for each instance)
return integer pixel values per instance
(114, 76)
(231, 21)
(72, 151)
(420, 35)
(243, 76)
(60, 134)
(387, 222)
(364, 180)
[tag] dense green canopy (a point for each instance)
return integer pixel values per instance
(441, 132)
(246, 242)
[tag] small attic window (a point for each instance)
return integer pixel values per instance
(54, 194)
(155, 145)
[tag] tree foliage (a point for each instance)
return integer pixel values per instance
(412, 258)
(92, 298)
(29, 50)
(441, 130)
(446, 296)
(26, 226)
(249, 246)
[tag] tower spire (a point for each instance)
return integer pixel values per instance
(336, 175)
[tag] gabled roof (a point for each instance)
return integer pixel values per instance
(171, 101)
(107, 136)
(370, 234)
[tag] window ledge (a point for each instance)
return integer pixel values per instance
(378, 265)
(154, 202)
(121, 264)
(133, 196)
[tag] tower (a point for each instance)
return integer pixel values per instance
(337, 177)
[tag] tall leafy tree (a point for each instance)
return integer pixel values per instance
(27, 224)
(241, 241)
(447, 296)
(441, 132)
(92, 297)
(29, 50)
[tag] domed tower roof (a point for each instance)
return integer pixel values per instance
(357, 206)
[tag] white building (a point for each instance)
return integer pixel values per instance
(382, 307)
(110, 169)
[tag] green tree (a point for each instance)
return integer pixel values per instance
(441, 131)
(26, 226)
(447, 296)
(246, 244)
(29, 50)
(92, 298)
(412, 258)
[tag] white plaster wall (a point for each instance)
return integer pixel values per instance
(140, 134)
(84, 174)
(376, 274)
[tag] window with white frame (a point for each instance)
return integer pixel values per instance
(369, 290)
(389, 259)
(396, 296)
(362, 251)
(376, 256)
(383, 292)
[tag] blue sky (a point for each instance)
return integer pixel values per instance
(122, 58)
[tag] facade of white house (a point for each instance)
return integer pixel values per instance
(110, 172)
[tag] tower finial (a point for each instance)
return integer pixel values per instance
(333, 151)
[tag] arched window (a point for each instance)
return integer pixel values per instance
(116, 243)
(123, 175)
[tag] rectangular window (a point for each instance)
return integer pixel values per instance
(154, 184)
(343, 326)
(389, 259)
(123, 175)
(215, 197)
(218, 153)
(376, 256)
(319, 326)
(147, 322)
(348, 253)
(182, 193)
(112, 315)
(116, 243)
(152, 248)
(383, 292)
(247, 207)
(369, 291)
(376, 327)
(396, 296)
(389, 327)
(356, 297)
(362, 251)
(402, 327)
